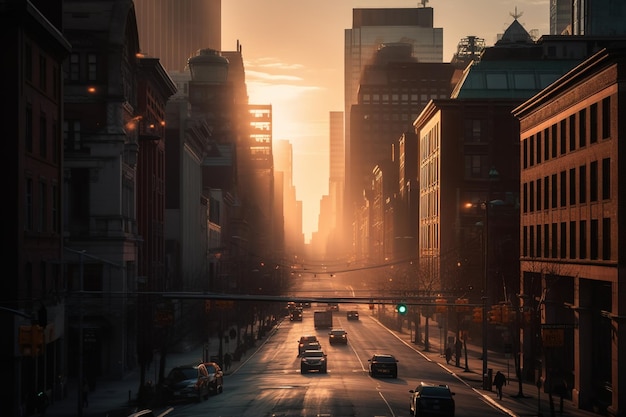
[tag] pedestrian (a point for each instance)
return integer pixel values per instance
(448, 354)
(85, 394)
(499, 380)
(227, 360)
(42, 403)
(458, 346)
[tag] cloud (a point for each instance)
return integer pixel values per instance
(258, 75)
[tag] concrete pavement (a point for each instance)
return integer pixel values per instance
(117, 398)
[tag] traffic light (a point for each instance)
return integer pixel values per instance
(402, 309)
(477, 315)
(495, 314)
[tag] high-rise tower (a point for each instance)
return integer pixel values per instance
(372, 28)
(174, 30)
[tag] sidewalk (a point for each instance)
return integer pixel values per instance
(533, 402)
(117, 398)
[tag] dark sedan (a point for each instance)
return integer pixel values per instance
(188, 382)
(313, 360)
(432, 400)
(383, 364)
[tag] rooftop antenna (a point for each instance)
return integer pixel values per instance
(423, 2)
(515, 15)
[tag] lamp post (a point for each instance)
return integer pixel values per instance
(493, 175)
(486, 383)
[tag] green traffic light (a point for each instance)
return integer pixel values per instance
(402, 309)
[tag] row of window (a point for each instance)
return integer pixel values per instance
(587, 183)
(44, 146)
(569, 134)
(46, 73)
(41, 210)
(400, 98)
(572, 240)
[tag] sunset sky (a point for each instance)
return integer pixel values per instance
(293, 53)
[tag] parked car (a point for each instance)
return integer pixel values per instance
(296, 314)
(383, 364)
(216, 377)
(333, 306)
(313, 360)
(339, 336)
(304, 342)
(188, 382)
(432, 400)
(352, 315)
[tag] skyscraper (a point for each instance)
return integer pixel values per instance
(372, 28)
(173, 30)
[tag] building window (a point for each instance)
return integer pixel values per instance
(43, 207)
(43, 136)
(546, 144)
(28, 205)
(546, 192)
(572, 186)
(582, 184)
(55, 143)
(55, 209)
(546, 241)
(563, 188)
(496, 81)
(71, 135)
(28, 129)
(43, 73)
(473, 130)
(531, 195)
(525, 241)
(474, 165)
(594, 236)
(593, 123)
(531, 150)
(553, 139)
(531, 240)
(572, 240)
(554, 236)
(563, 248)
(572, 132)
(73, 71)
(582, 128)
(606, 178)
(606, 118)
(606, 239)
(28, 62)
(583, 239)
(525, 195)
(525, 153)
(563, 137)
(92, 67)
(554, 191)
(593, 181)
